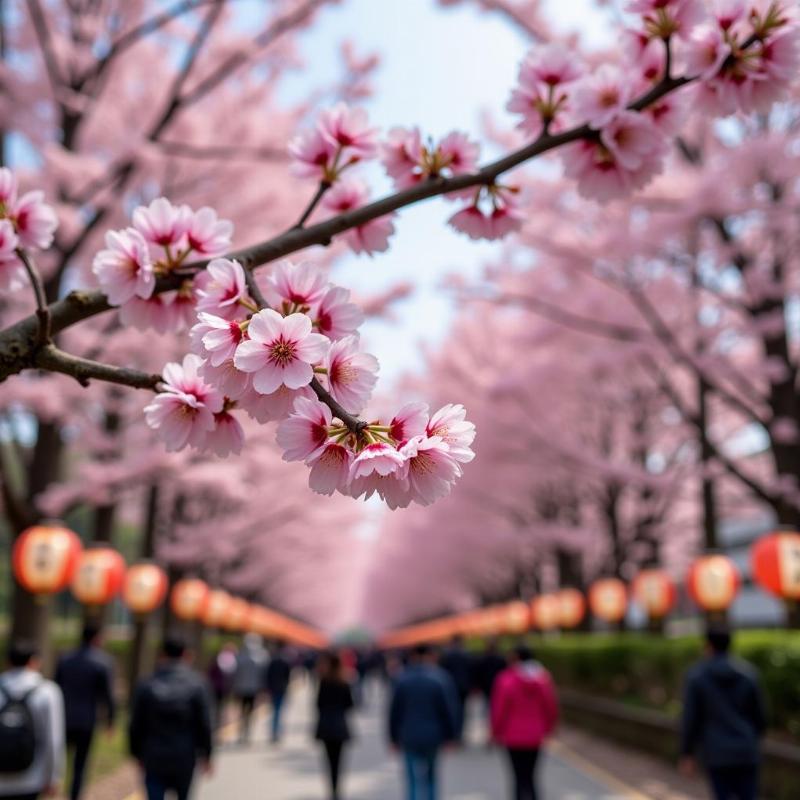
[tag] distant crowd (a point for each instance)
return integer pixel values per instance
(176, 713)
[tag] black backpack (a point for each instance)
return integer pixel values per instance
(17, 732)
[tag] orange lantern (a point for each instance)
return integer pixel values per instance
(608, 599)
(713, 582)
(571, 608)
(237, 616)
(216, 609)
(44, 558)
(775, 561)
(189, 598)
(98, 577)
(516, 617)
(145, 588)
(655, 592)
(545, 610)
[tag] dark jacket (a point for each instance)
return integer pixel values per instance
(170, 725)
(85, 678)
(334, 700)
(279, 672)
(487, 668)
(424, 709)
(457, 663)
(723, 713)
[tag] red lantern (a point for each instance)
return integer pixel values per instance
(608, 599)
(145, 588)
(237, 616)
(516, 617)
(44, 558)
(546, 612)
(713, 582)
(98, 577)
(216, 609)
(189, 598)
(655, 592)
(776, 564)
(571, 608)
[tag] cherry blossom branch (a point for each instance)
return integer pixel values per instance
(309, 210)
(42, 309)
(222, 152)
(46, 45)
(52, 358)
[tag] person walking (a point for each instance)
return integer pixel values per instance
(85, 677)
(487, 667)
(220, 677)
(32, 747)
(278, 676)
(334, 702)
(524, 711)
(723, 719)
(423, 717)
(459, 665)
(170, 725)
(251, 663)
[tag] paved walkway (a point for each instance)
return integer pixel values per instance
(292, 770)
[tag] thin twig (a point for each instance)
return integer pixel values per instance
(42, 309)
(318, 195)
(83, 370)
(354, 425)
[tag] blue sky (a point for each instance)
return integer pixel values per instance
(440, 69)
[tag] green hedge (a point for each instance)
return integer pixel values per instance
(648, 670)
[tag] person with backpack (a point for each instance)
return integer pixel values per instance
(86, 678)
(170, 725)
(32, 749)
(723, 720)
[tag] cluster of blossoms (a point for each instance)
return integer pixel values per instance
(744, 53)
(414, 457)
(160, 240)
(25, 221)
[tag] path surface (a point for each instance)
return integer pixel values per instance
(292, 770)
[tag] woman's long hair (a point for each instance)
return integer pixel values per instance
(331, 667)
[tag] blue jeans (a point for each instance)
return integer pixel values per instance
(734, 783)
(158, 786)
(421, 774)
(277, 707)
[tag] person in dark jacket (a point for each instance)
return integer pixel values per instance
(170, 725)
(334, 701)
(457, 663)
(423, 717)
(86, 679)
(220, 677)
(487, 667)
(723, 719)
(278, 676)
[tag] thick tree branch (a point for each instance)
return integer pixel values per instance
(83, 370)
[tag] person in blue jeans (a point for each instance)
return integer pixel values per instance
(423, 718)
(277, 679)
(723, 719)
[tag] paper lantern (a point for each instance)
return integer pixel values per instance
(236, 618)
(713, 582)
(571, 608)
(655, 592)
(145, 588)
(516, 617)
(216, 609)
(44, 558)
(546, 612)
(188, 599)
(775, 561)
(608, 599)
(98, 577)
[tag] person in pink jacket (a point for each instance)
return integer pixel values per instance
(524, 713)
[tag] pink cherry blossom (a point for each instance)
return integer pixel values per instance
(663, 18)
(182, 413)
(432, 470)
(348, 129)
(457, 153)
(124, 269)
(8, 188)
(377, 460)
(550, 64)
(34, 220)
(280, 351)
(233, 383)
(295, 286)
(220, 337)
(313, 156)
(401, 155)
(599, 97)
(706, 51)
(207, 234)
(493, 215)
(352, 375)
(450, 424)
(8, 240)
(373, 236)
(633, 140)
(335, 316)
(12, 272)
(411, 420)
(162, 223)
(226, 437)
(270, 407)
(221, 289)
(330, 470)
(305, 433)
